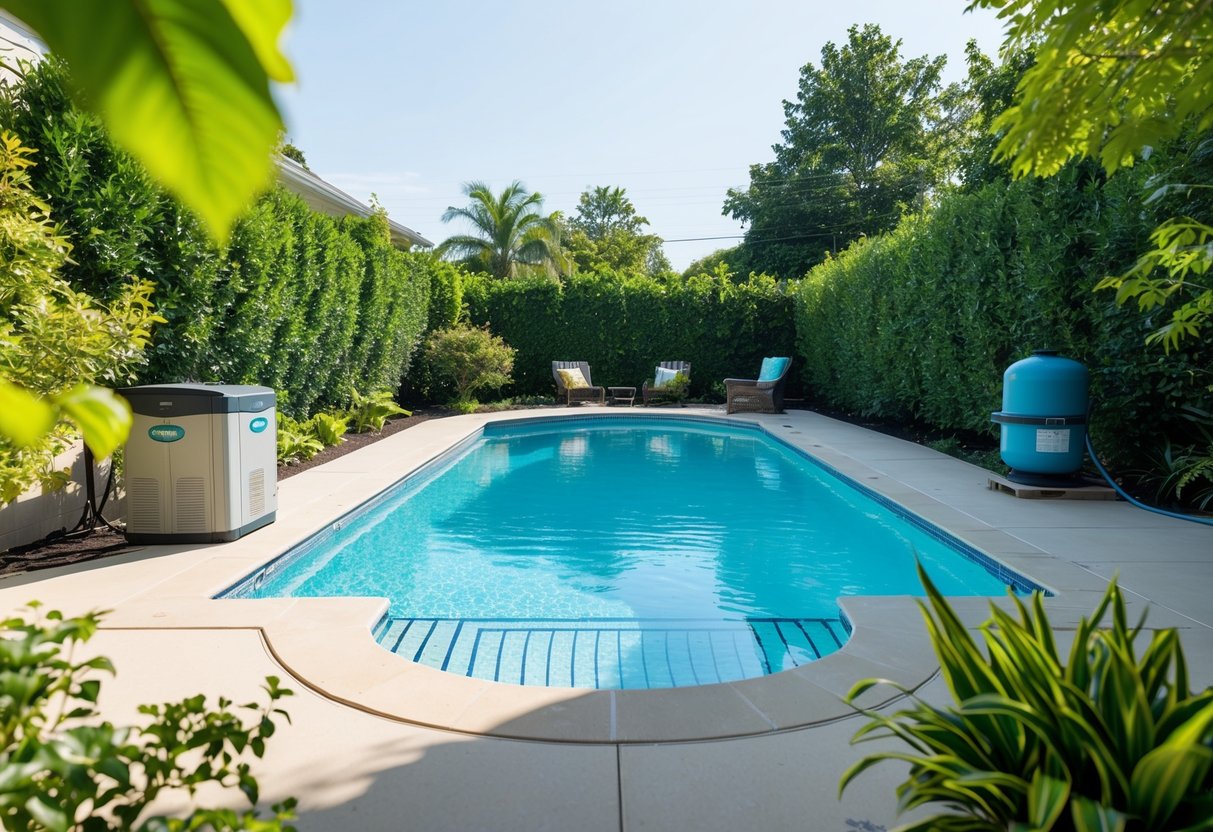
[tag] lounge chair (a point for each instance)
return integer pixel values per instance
(763, 394)
(576, 392)
(651, 392)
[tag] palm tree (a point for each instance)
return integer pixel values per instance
(508, 231)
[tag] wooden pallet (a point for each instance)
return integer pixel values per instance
(1036, 492)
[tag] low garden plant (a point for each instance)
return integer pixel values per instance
(370, 412)
(1111, 739)
(63, 768)
(300, 440)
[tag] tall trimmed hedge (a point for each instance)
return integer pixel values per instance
(306, 304)
(624, 325)
(920, 323)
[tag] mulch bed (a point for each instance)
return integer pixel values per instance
(65, 550)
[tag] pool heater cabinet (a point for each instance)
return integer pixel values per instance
(201, 462)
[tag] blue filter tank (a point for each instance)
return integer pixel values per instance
(1043, 417)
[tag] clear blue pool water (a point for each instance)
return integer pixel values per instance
(620, 553)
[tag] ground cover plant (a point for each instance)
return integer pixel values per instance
(1112, 738)
(66, 769)
(301, 439)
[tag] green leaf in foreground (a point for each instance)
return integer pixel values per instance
(104, 419)
(182, 86)
(24, 417)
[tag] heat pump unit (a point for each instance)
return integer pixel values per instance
(201, 462)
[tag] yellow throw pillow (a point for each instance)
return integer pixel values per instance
(573, 379)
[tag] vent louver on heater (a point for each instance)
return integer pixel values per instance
(256, 492)
(144, 499)
(190, 504)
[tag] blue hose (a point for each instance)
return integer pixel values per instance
(1204, 521)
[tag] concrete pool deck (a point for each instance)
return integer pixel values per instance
(379, 743)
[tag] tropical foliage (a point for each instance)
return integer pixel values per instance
(64, 768)
(186, 91)
(1111, 739)
(509, 235)
(370, 412)
(1112, 79)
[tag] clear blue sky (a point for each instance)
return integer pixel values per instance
(671, 100)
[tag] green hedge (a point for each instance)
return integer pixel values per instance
(306, 304)
(623, 325)
(920, 323)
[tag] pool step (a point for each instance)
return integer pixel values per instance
(612, 653)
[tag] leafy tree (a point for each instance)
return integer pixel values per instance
(509, 232)
(990, 89)
(1111, 79)
(856, 151)
(604, 209)
(607, 234)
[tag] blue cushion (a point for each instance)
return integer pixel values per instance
(772, 368)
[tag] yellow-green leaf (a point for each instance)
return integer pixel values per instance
(1047, 798)
(184, 86)
(104, 418)
(1089, 816)
(24, 418)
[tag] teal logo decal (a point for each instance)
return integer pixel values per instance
(166, 433)
(259, 424)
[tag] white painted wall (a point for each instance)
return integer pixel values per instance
(34, 515)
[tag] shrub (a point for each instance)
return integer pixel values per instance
(471, 359)
(1108, 740)
(63, 768)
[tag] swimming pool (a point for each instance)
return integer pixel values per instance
(627, 552)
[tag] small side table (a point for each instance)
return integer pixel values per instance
(619, 395)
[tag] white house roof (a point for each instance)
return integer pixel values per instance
(331, 200)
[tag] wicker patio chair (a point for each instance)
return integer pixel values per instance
(754, 396)
(654, 394)
(573, 395)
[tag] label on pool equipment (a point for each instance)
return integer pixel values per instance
(1052, 441)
